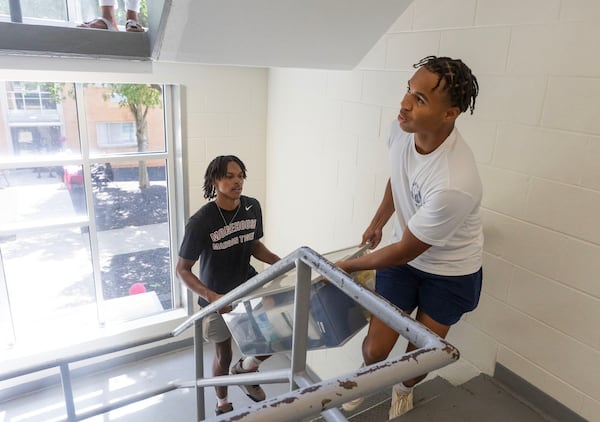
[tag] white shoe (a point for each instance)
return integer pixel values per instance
(402, 402)
(352, 405)
(255, 392)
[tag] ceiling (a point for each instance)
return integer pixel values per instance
(333, 34)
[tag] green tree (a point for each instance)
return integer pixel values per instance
(58, 91)
(139, 99)
(49, 92)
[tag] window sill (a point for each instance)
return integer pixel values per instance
(51, 41)
(111, 335)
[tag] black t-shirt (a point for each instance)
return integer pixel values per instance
(224, 250)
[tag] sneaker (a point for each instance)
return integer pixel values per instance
(402, 402)
(255, 392)
(352, 405)
(224, 408)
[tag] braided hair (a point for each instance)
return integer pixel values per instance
(461, 85)
(216, 170)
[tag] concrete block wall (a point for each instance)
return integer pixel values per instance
(225, 114)
(536, 136)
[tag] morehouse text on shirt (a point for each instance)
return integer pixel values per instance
(236, 226)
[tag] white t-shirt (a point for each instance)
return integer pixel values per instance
(438, 196)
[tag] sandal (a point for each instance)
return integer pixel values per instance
(97, 24)
(224, 408)
(133, 26)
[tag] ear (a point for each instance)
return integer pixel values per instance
(452, 114)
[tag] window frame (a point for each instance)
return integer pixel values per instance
(173, 157)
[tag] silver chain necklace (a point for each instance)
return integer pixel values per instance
(234, 215)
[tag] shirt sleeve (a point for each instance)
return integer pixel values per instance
(194, 241)
(441, 216)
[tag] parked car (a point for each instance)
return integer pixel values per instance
(72, 175)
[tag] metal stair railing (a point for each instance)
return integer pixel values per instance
(309, 395)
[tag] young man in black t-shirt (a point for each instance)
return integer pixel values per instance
(223, 235)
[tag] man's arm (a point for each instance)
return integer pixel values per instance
(374, 231)
(262, 253)
(185, 274)
(398, 253)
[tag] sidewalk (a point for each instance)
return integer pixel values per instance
(49, 272)
(132, 239)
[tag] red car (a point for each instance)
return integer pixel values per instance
(73, 174)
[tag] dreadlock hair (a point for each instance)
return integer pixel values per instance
(218, 169)
(461, 85)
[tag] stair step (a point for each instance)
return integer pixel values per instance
(480, 398)
(377, 406)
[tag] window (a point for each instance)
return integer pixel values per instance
(88, 240)
(47, 9)
(30, 96)
(54, 25)
(116, 134)
(57, 12)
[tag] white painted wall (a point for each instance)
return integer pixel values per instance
(536, 136)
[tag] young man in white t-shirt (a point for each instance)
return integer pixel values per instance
(433, 263)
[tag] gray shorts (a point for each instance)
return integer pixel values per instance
(214, 328)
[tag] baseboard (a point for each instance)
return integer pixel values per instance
(86, 370)
(534, 397)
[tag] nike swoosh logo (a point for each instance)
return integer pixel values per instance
(248, 207)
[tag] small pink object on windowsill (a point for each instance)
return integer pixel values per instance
(137, 288)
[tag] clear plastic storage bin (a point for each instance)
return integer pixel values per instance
(263, 323)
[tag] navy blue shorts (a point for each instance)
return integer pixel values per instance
(443, 298)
